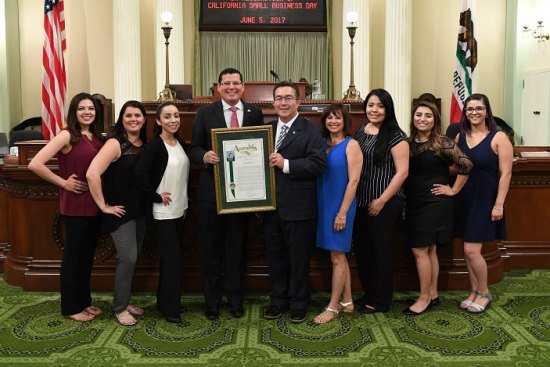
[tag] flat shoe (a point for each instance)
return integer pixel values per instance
(237, 312)
(81, 317)
(273, 312)
(436, 301)
(410, 312)
(320, 319)
(94, 311)
(477, 308)
(135, 311)
(346, 307)
(174, 320)
(367, 309)
(467, 303)
(297, 316)
(125, 318)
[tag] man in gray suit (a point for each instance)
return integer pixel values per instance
(298, 159)
(221, 236)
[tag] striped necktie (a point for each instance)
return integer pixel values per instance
(284, 130)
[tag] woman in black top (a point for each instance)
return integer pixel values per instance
(429, 210)
(119, 200)
(162, 174)
(379, 200)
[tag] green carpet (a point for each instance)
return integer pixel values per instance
(515, 331)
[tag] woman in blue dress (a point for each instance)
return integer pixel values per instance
(479, 207)
(336, 205)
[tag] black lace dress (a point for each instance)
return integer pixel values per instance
(430, 217)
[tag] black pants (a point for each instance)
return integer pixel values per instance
(81, 234)
(222, 236)
(289, 246)
(373, 239)
(168, 234)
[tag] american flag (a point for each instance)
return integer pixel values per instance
(54, 82)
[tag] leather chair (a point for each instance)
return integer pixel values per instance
(25, 135)
(4, 149)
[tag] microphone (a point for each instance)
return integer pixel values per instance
(274, 74)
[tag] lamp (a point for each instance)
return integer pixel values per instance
(352, 93)
(537, 32)
(167, 94)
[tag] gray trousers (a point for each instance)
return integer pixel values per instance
(128, 239)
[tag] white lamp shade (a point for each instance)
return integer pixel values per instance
(166, 17)
(352, 16)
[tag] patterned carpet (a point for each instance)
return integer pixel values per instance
(514, 332)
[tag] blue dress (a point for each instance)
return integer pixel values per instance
(474, 203)
(331, 187)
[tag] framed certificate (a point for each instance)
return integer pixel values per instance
(243, 179)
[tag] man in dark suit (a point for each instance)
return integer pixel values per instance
(221, 236)
(298, 159)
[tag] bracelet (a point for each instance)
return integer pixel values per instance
(499, 209)
(341, 217)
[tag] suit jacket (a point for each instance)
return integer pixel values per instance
(208, 118)
(296, 193)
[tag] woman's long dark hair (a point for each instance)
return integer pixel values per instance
(337, 109)
(388, 127)
(465, 124)
(158, 129)
(72, 120)
(436, 137)
(120, 132)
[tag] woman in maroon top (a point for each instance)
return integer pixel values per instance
(75, 148)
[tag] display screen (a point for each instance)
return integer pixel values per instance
(271, 15)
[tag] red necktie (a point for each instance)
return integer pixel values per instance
(234, 119)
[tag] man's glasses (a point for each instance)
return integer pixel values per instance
(284, 99)
(228, 84)
(475, 109)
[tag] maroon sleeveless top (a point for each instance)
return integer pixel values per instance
(77, 161)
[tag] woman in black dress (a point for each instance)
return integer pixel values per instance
(430, 198)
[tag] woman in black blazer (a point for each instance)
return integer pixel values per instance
(162, 174)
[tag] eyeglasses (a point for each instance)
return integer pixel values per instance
(227, 84)
(475, 109)
(280, 99)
